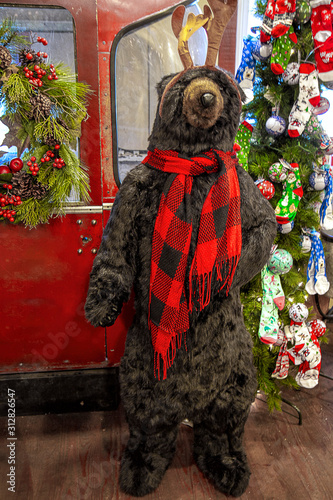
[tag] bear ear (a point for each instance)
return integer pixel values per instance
(160, 87)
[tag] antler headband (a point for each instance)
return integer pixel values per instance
(214, 26)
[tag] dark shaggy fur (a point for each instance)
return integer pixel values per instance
(213, 382)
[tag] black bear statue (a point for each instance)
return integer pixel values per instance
(188, 228)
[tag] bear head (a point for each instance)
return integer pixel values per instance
(198, 109)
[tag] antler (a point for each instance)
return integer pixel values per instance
(223, 12)
(183, 33)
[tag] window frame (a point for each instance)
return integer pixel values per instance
(130, 27)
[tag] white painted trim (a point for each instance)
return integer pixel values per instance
(243, 7)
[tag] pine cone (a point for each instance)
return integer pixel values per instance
(5, 57)
(40, 107)
(23, 57)
(39, 190)
(22, 184)
(49, 139)
(25, 186)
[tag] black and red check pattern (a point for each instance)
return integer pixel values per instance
(217, 251)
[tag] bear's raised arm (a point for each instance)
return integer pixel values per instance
(258, 230)
(113, 270)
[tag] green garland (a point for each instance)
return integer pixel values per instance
(44, 108)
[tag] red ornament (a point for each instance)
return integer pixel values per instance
(16, 164)
(29, 56)
(4, 169)
(267, 189)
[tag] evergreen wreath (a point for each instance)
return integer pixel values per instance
(44, 107)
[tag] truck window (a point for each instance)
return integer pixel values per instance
(57, 26)
(143, 56)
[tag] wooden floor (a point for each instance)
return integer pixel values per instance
(77, 456)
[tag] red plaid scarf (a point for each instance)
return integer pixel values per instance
(217, 251)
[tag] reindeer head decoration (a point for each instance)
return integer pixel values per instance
(199, 107)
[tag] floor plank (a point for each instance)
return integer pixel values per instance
(77, 456)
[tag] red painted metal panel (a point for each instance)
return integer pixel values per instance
(44, 284)
(109, 186)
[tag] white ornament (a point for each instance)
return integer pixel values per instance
(298, 312)
(291, 74)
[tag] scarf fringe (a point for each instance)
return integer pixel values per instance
(167, 359)
(201, 285)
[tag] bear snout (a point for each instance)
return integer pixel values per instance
(207, 99)
(202, 103)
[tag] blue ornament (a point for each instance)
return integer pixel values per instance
(261, 51)
(319, 180)
(275, 125)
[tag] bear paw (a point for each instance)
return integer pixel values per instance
(102, 312)
(230, 474)
(140, 474)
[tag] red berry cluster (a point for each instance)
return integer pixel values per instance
(53, 74)
(50, 156)
(35, 77)
(9, 199)
(10, 214)
(33, 166)
(42, 40)
(36, 73)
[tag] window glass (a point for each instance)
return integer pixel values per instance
(144, 55)
(54, 24)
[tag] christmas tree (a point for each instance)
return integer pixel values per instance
(284, 148)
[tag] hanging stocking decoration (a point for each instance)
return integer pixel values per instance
(267, 22)
(273, 296)
(282, 51)
(308, 97)
(246, 71)
(286, 208)
(326, 209)
(324, 60)
(317, 281)
(284, 16)
(306, 351)
(321, 20)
